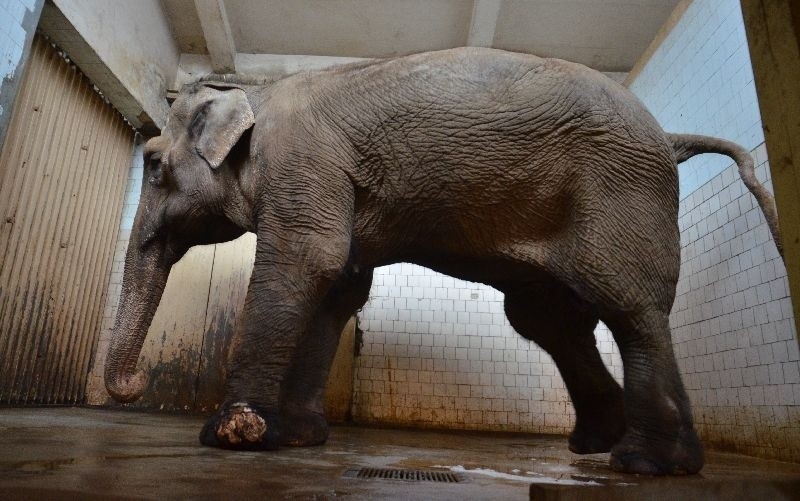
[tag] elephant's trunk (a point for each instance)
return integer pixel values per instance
(143, 284)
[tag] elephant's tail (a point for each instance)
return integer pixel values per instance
(688, 145)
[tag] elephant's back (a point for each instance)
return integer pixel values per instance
(471, 149)
(484, 91)
(485, 125)
(486, 105)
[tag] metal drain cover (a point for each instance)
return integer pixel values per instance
(403, 474)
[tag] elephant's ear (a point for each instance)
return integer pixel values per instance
(219, 122)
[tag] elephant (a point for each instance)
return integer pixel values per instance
(539, 177)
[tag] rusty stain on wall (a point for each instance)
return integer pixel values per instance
(173, 347)
(63, 170)
(230, 277)
(339, 392)
(187, 345)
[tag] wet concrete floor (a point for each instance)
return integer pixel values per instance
(80, 453)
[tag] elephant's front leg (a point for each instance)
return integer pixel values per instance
(302, 250)
(303, 395)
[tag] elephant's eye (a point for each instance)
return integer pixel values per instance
(155, 169)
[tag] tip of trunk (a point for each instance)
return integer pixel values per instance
(126, 389)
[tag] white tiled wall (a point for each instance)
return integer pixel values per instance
(95, 387)
(732, 323)
(439, 352)
(13, 36)
(700, 80)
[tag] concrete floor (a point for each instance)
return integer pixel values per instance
(75, 453)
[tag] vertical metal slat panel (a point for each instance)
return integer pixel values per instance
(46, 219)
(55, 366)
(63, 171)
(95, 245)
(77, 247)
(51, 365)
(22, 172)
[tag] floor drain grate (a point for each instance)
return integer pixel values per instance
(402, 474)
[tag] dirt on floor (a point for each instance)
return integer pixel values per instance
(82, 453)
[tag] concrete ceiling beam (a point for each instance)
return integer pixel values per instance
(269, 67)
(483, 22)
(217, 33)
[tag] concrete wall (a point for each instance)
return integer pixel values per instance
(18, 20)
(126, 48)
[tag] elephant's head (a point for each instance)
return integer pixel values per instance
(191, 195)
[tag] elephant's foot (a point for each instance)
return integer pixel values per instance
(637, 454)
(301, 428)
(241, 426)
(599, 426)
(594, 439)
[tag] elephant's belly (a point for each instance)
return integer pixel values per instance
(472, 224)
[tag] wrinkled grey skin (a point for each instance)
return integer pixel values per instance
(539, 177)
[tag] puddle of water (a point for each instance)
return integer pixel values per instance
(537, 479)
(559, 468)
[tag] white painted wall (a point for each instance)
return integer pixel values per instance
(12, 35)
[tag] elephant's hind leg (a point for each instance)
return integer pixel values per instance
(563, 325)
(631, 280)
(660, 438)
(303, 395)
